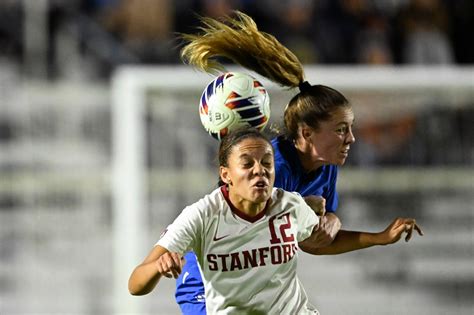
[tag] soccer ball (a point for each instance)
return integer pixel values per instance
(231, 101)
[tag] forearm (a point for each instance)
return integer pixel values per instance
(347, 241)
(344, 242)
(144, 279)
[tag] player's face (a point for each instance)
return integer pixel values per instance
(250, 173)
(332, 140)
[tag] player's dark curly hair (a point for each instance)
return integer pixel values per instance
(239, 40)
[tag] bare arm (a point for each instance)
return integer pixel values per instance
(159, 262)
(347, 241)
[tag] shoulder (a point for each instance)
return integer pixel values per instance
(282, 196)
(292, 202)
(209, 203)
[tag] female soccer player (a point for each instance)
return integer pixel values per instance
(318, 122)
(245, 234)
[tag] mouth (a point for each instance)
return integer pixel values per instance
(345, 151)
(261, 184)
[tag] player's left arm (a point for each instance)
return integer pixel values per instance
(347, 241)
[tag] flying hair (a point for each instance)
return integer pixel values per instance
(239, 40)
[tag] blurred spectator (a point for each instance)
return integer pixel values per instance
(373, 42)
(340, 22)
(11, 29)
(144, 26)
(294, 23)
(95, 36)
(216, 8)
(462, 22)
(354, 31)
(424, 25)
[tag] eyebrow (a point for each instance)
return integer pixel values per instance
(246, 155)
(345, 123)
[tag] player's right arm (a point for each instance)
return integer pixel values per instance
(347, 241)
(159, 262)
(165, 257)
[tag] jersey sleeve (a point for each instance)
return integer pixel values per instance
(184, 233)
(306, 219)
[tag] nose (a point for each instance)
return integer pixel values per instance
(259, 169)
(350, 137)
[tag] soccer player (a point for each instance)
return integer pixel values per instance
(246, 236)
(318, 133)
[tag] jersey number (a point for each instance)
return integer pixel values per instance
(283, 227)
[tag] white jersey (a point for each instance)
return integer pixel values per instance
(248, 265)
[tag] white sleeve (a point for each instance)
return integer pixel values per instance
(184, 233)
(306, 219)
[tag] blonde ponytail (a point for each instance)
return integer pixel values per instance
(239, 40)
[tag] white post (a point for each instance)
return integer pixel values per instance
(129, 189)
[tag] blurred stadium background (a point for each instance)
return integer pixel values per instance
(101, 146)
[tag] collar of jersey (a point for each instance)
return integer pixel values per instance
(239, 213)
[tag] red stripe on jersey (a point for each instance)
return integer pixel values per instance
(239, 213)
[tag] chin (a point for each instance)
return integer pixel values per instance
(340, 161)
(262, 197)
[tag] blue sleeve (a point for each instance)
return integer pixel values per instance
(332, 199)
(190, 288)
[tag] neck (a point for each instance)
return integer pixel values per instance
(249, 208)
(308, 162)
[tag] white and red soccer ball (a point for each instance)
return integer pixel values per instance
(233, 100)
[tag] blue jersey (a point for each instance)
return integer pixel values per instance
(290, 176)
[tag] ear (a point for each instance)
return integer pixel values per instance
(224, 174)
(306, 132)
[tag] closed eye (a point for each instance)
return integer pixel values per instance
(267, 164)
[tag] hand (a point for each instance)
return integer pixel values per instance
(317, 203)
(329, 226)
(395, 230)
(170, 264)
